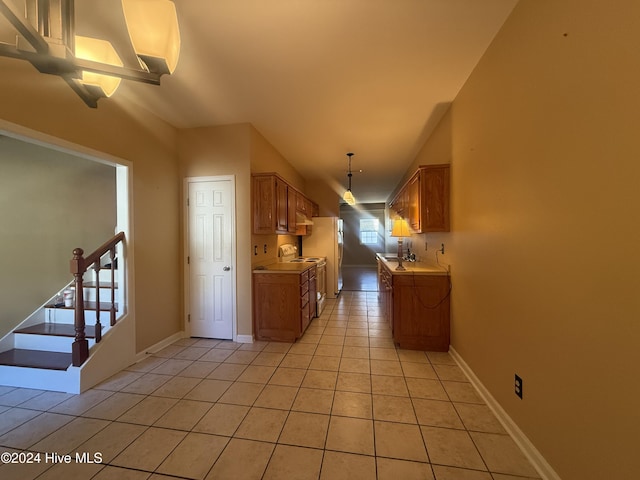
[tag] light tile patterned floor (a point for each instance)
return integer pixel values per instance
(342, 403)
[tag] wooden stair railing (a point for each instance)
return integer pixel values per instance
(79, 265)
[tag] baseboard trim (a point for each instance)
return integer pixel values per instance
(159, 346)
(530, 451)
(244, 338)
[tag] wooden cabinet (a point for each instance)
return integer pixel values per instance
(424, 200)
(417, 308)
(291, 210)
(282, 206)
(313, 297)
(434, 191)
(275, 204)
(264, 204)
(385, 286)
(282, 307)
(413, 203)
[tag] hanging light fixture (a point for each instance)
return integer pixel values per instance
(91, 67)
(348, 196)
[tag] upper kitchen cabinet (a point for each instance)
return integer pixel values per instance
(267, 200)
(424, 200)
(275, 205)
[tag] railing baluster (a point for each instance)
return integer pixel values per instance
(112, 255)
(98, 327)
(80, 347)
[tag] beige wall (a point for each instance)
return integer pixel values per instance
(225, 150)
(546, 229)
(51, 202)
(325, 196)
(45, 104)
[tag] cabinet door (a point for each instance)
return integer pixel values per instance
(308, 207)
(276, 306)
(413, 194)
(282, 219)
(291, 210)
(301, 206)
(435, 199)
(421, 312)
(263, 205)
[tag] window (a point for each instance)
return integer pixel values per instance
(369, 231)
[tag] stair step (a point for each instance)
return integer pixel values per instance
(104, 306)
(100, 284)
(57, 329)
(36, 359)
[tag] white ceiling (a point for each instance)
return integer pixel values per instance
(317, 78)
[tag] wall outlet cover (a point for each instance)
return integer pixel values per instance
(518, 386)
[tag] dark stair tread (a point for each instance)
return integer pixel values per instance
(101, 284)
(36, 359)
(57, 329)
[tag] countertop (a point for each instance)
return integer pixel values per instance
(284, 267)
(411, 268)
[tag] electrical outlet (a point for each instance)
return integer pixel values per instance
(518, 386)
(265, 248)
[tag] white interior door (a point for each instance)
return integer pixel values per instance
(211, 262)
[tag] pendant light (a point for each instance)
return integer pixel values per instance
(348, 196)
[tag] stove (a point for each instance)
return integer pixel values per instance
(289, 253)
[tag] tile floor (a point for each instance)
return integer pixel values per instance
(342, 403)
(359, 278)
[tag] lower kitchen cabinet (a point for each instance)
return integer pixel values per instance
(282, 309)
(417, 308)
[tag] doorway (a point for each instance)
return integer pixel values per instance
(210, 278)
(56, 196)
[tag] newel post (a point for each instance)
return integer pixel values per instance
(80, 347)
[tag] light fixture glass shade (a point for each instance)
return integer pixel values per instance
(348, 197)
(98, 51)
(400, 228)
(154, 32)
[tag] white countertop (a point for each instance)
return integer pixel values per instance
(284, 267)
(411, 268)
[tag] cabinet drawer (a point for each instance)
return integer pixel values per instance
(304, 299)
(304, 288)
(304, 276)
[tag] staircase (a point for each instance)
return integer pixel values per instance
(47, 344)
(47, 350)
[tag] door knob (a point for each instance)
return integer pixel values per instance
(226, 269)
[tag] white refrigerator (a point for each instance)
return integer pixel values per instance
(326, 241)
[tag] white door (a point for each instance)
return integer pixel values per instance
(211, 258)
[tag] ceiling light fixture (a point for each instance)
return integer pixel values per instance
(348, 196)
(91, 67)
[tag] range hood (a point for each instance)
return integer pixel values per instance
(302, 219)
